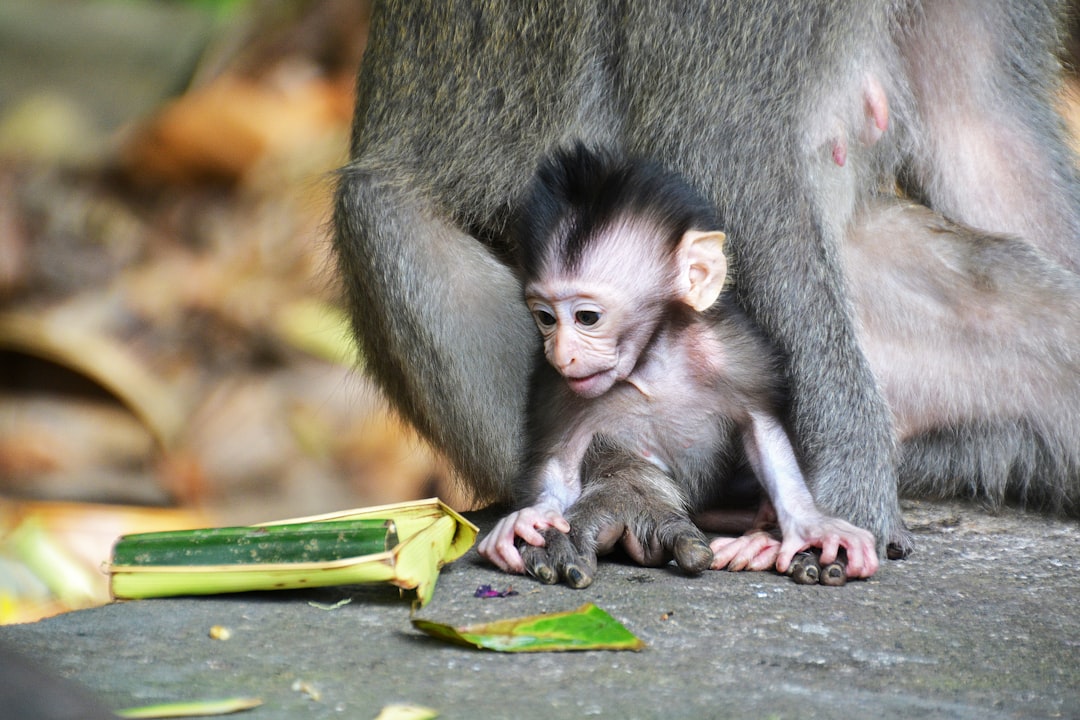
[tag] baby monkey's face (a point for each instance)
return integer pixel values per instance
(581, 327)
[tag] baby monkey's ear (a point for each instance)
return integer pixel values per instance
(702, 268)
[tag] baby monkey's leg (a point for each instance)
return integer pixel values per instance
(624, 500)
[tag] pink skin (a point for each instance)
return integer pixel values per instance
(839, 151)
(568, 346)
(574, 322)
(756, 550)
(876, 108)
(594, 385)
(498, 546)
(576, 344)
(759, 549)
(584, 357)
(831, 534)
(801, 524)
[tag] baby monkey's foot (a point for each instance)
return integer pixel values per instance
(806, 569)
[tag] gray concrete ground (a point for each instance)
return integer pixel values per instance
(981, 622)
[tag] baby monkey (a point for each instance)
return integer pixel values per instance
(657, 387)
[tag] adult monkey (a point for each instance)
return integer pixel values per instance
(786, 113)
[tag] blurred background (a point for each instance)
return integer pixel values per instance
(172, 350)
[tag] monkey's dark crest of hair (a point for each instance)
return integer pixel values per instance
(579, 191)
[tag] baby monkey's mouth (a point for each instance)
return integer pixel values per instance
(594, 385)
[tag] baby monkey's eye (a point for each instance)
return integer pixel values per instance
(587, 317)
(544, 318)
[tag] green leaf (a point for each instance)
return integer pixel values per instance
(587, 628)
(289, 543)
(195, 708)
(405, 544)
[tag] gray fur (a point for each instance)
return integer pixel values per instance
(458, 100)
(624, 496)
(975, 341)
